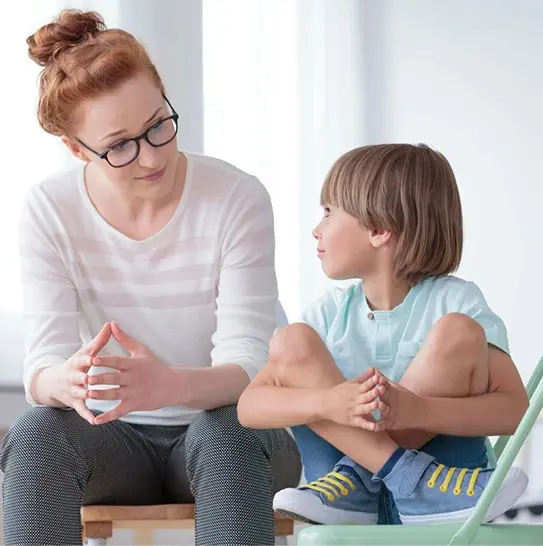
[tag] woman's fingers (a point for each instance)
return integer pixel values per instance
(110, 378)
(83, 411)
(106, 394)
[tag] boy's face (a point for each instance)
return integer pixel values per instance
(344, 246)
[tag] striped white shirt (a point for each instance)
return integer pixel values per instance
(200, 292)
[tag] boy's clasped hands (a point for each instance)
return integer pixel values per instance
(353, 403)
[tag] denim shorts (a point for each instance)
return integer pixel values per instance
(319, 457)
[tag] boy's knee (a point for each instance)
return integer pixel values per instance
(457, 332)
(293, 350)
(295, 342)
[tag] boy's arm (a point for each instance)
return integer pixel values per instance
(495, 413)
(500, 410)
(265, 404)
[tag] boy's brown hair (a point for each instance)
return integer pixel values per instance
(410, 191)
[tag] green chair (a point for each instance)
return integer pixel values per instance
(473, 531)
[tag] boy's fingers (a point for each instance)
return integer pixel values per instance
(368, 384)
(368, 396)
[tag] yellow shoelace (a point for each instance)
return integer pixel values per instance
(331, 486)
(458, 486)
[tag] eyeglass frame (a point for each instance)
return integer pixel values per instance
(137, 139)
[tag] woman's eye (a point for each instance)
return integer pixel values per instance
(120, 146)
(326, 211)
(157, 126)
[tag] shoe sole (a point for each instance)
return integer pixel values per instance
(300, 506)
(297, 517)
(508, 494)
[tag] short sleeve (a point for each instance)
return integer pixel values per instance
(472, 303)
(321, 313)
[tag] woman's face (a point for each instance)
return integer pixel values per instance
(108, 121)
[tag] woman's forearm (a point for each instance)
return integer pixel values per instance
(268, 406)
(207, 388)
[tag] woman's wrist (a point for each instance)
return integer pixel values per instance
(44, 387)
(175, 387)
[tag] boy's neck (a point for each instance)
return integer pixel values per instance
(384, 293)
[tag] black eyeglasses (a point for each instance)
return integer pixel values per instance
(126, 151)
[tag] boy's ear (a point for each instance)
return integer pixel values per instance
(380, 237)
(76, 148)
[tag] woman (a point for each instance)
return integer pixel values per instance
(149, 296)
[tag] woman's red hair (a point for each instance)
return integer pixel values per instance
(81, 60)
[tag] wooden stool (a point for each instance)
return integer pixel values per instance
(98, 522)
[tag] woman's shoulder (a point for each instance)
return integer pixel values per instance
(60, 188)
(216, 175)
(51, 206)
(213, 165)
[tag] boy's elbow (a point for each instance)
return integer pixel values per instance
(522, 403)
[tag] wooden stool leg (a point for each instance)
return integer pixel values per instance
(97, 532)
(144, 537)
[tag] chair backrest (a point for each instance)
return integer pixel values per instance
(507, 451)
(531, 386)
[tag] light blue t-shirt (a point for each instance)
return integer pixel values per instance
(359, 338)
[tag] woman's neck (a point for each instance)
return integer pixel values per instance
(136, 216)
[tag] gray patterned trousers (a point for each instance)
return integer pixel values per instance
(54, 462)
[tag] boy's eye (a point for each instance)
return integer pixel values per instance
(326, 211)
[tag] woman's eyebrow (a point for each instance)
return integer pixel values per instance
(121, 131)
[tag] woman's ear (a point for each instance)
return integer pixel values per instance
(76, 148)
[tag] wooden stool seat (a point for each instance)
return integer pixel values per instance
(99, 521)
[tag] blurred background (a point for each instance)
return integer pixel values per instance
(282, 88)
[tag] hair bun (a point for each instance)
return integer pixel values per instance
(69, 29)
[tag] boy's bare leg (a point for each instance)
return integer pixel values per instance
(299, 358)
(452, 362)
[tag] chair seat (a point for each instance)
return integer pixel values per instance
(135, 513)
(99, 520)
(366, 535)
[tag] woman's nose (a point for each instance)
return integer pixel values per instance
(148, 156)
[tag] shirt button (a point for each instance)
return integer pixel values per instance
(371, 316)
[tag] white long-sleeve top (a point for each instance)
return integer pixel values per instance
(200, 292)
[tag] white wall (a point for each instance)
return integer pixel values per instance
(466, 78)
(462, 76)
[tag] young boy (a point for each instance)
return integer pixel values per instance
(410, 342)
